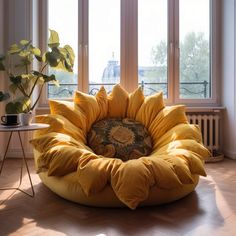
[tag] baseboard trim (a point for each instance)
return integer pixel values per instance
(231, 155)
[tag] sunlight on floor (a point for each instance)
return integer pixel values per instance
(221, 202)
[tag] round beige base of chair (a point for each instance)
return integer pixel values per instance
(217, 156)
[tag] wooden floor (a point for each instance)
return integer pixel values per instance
(210, 210)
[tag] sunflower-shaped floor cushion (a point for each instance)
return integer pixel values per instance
(119, 149)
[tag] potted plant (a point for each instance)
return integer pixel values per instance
(18, 66)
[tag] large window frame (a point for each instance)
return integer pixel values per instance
(129, 49)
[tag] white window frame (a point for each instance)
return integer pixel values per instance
(214, 100)
(129, 50)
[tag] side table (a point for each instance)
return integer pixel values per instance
(18, 130)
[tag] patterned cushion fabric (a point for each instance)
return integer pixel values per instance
(120, 138)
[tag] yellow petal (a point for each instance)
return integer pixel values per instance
(151, 106)
(136, 99)
(118, 102)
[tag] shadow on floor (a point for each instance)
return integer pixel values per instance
(47, 211)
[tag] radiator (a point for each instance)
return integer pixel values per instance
(209, 125)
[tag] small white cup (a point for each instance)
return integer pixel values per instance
(25, 118)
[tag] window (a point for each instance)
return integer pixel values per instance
(104, 44)
(157, 44)
(194, 36)
(61, 18)
(152, 46)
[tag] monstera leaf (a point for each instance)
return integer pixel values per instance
(20, 105)
(4, 96)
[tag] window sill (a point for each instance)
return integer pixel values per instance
(42, 110)
(204, 109)
(46, 110)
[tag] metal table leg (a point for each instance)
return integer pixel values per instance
(24, 162)
(5, 154)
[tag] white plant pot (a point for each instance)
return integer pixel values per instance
(25, 118)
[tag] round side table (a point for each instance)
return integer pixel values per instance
(18, 130)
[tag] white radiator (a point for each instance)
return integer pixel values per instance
(209, 124)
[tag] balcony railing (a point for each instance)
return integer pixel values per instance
(187, 89)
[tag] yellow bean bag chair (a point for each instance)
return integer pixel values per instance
(69, 167)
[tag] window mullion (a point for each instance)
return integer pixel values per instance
(43, 32)
(129, 44)
(171, 51)
(83, 78)
(80, 43)
(176, 52)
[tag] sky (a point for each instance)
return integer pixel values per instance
(104, 27)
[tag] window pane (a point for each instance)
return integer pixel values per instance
(195, 81)
(152, 45)
(104, 44)
(63, 17)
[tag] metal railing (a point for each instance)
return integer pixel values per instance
(200, 88)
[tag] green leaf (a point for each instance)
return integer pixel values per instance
(60, 66)
(27, 76)
(44, 59)
(40, 81)
(14, 108)
(37, 73)
(70, 54)
(14, 49)
(58, 53)
(26, 85)
(44, 77)
(52, 58)
(66, 57)
(4, 96)
(26, 79)
(36, 51)
(24, 53)
(68, 67)
(24, 42)
(19, 105)
(16, 79)
(13, 88)
(49, 78)
(56, 83)
(53, 40)
(62, 51)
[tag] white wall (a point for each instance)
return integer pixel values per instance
(15, 24)
(1, 25)
(229, 76)
(2, 85)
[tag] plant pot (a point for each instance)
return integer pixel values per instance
(25, 118)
